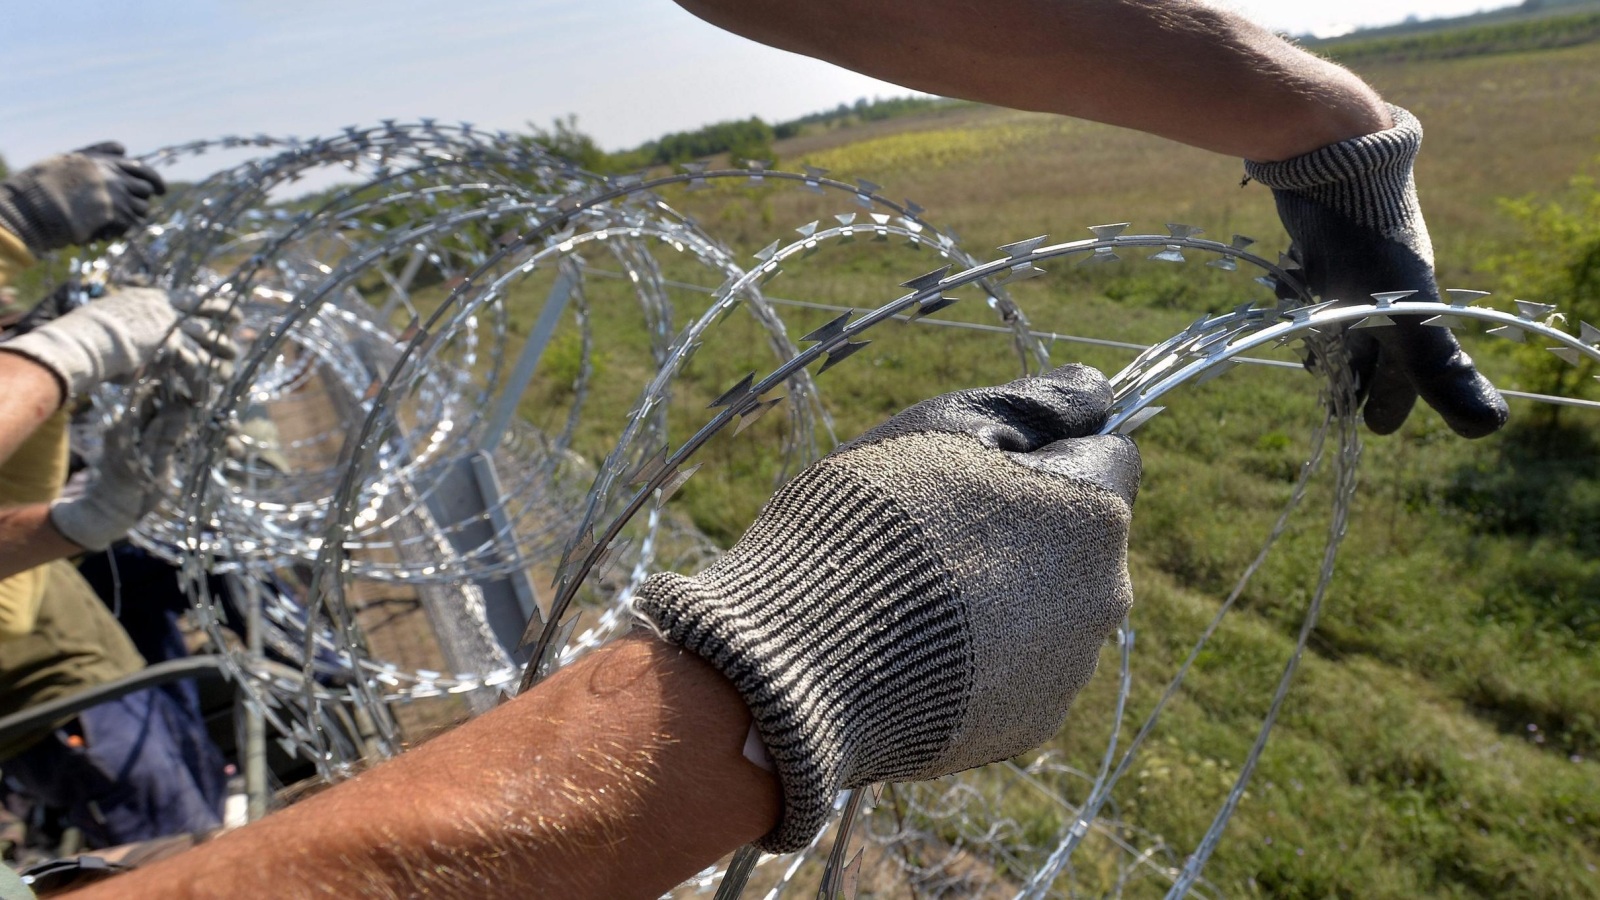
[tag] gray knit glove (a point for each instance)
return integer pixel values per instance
(88, 195)
(127, 485)
(1352, 211)
(928, 598)
(116, 335)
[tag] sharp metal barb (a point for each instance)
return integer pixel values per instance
(1021, 273)
(552, 653)
(927, 280)
(1019, 249)
(1240, 242)
(831, 330)
(754, 414)
(766, 253)
(1109, 232)
(1510, 333)
(1588, 334)
(1454, 323)
(1225, 263)
(850, 880)
(1303, 313)
(1171, 253)
(1374, 321)
(608, 559)
(735, 395)
(840, 354)
(675, 483)
(932, 305)
(1464, 297)
(1571, 356)
(1527, 309)
(1183, 231)
(1389, 298)
(579, 549)
(1100, 255)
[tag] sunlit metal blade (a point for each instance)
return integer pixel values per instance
(927, 280)
(1019, 249)
(840, 354)
(755, 413)
(933, 305)
(736, 394)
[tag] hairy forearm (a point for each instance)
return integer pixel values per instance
(27, 539)
(619, 777)
(1180, 69)
(29, 394)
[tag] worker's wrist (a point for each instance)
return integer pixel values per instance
(1342, 113)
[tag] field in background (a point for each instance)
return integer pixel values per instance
(1441, 737)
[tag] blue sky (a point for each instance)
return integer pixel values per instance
(157, 72)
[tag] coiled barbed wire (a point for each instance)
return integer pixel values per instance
(371, 448)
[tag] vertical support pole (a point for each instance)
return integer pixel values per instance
(554, 306)
(255, 723)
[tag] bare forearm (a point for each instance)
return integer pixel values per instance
(27, 539)
(1181, 69)
(29, 394)
(619, 777)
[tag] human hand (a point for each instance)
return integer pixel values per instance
(114, 336)
(74, 198)
(928, 598)
(1352, 211)
(127, 484)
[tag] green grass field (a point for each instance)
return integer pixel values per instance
(1441, 739)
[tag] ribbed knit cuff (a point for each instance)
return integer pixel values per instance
(1367, 178)
(844, 637)
(17, 216)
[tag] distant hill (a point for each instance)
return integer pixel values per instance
(1531, 25)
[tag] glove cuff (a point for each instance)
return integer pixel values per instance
(73, 368)
(82, 521)
(842, 634)
(1366, 178)
(15, 218)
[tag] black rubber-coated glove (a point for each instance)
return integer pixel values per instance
(88, 195)
(928, 598)
(1352, 211)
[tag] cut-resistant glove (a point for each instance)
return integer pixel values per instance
(114, 336)
(926, 599)
(88, 195)
(1351, 209)
(127, 485)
